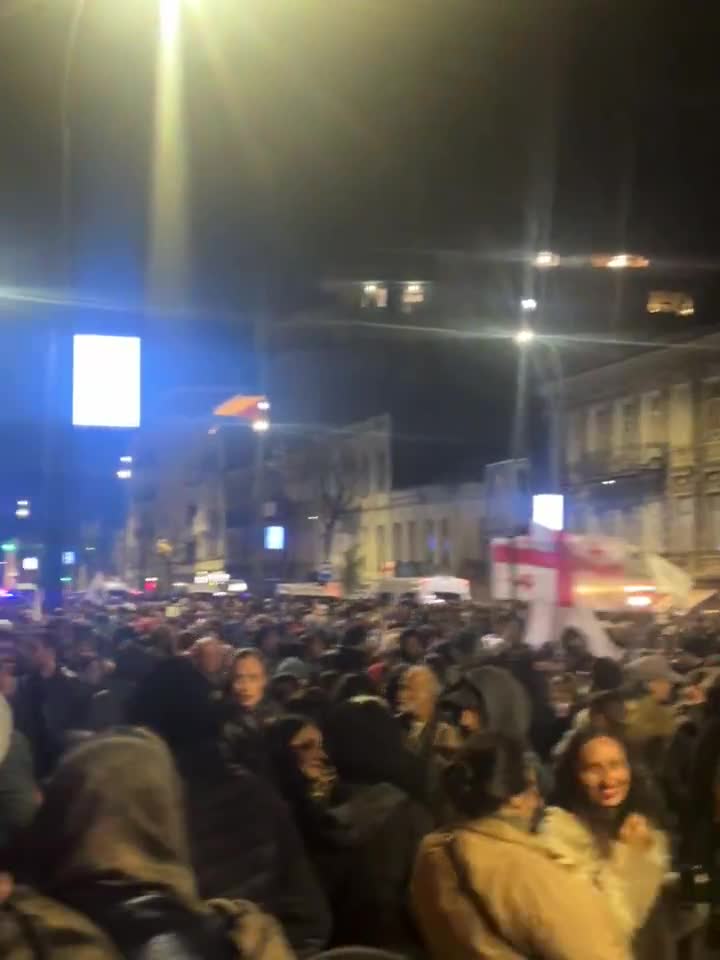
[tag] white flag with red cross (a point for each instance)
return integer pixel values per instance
(557, 568)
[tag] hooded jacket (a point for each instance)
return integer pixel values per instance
(497, 694)
(504, 707)
(488, 891)
(109, 862)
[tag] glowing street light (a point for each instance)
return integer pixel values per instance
(261, 426)
(528, 304)
(123, 474)
(545, 259)
(524, 337)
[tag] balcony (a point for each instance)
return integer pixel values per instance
(612, 465)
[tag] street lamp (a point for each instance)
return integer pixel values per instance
(524, 336)
(261, 426)
(545, 259)
(528, 305)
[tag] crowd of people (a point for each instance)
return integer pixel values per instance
(244, 779)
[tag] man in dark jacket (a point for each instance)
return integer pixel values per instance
(49, 703)
(243, 843)
(375, 822)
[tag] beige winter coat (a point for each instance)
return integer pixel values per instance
(490, 891)
(630, 880)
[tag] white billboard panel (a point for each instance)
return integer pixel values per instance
(106, 381)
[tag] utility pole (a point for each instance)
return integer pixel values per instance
(55, 450)
(258, 486)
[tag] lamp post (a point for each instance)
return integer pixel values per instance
(525, 338)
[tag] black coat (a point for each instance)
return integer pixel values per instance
(46, 710)
(364, 849)
(244, 846)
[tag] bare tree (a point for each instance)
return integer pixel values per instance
(325, 472)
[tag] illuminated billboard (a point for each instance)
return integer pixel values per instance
(274, 538)
(549, 510)
(106, 381)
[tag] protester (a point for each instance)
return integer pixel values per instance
(248, 707)
(19, 796)
(380, 813)
(50, 701)
(652, 715)
(290, 677)
(427, 734)
(293, 788)
(107, 866)
(212, 658)
(242, 841)
(605, 713)
(488, 888)
(603, 827)
(489, 698)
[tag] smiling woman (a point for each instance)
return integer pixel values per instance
(604, 827)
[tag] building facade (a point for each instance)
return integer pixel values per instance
(196, 493)
(642, 453)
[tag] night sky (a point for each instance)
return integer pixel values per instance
(321, 133)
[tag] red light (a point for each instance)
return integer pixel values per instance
(150, 587)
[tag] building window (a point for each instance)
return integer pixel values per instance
(397, 543)
(375, 295)
(671, 301)
(713, 525)
(413, 294)
(683, 525)
(430, 542)
(445, 543)
(364, 475)
(412, 541)
(712, 408)
(380, 547)
(603, 429)
(381, 479)
(655, 426)
(629, 423)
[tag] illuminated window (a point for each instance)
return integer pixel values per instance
(413, 294)
(671, 301)
(375, 295)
